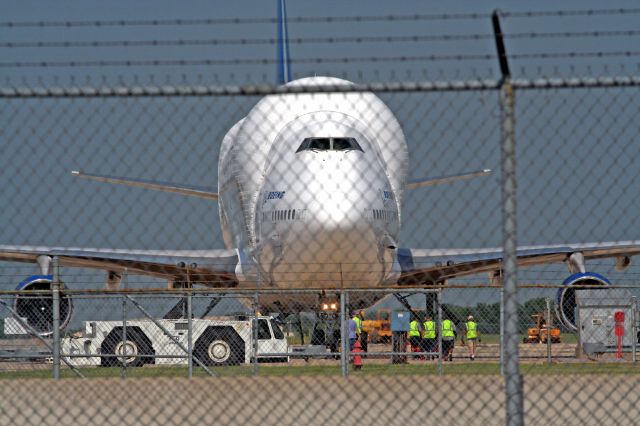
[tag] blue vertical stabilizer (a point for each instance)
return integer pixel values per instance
(284, 65)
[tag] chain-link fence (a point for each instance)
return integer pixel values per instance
(350, 234)
(164, 337)
(204, 329)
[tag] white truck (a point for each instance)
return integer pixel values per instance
(216, 341)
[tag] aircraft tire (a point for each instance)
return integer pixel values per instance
(219, 347)
(135, 345)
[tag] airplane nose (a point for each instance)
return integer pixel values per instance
(341, 193)
(344, 192)
(340, 234)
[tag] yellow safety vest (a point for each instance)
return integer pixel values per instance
(447, 328)
(429, 330)
(358, 324)
(472, 330)
(413, 329)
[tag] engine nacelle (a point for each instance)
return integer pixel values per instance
(37, 309)
(566, 296)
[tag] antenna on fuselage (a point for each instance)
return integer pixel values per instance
(284, 63)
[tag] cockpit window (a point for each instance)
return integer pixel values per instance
(329, 144)
(320, 144)
(342, 144)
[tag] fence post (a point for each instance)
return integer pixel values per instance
(578, 334)
(189, 335)
(254, 336)
(501, 328)
(344, 337)
(513, 379)
(55, 305)
(548, 320)
(123, 372)
(634, 329)
(439, 331)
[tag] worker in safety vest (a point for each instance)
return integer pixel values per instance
(429, 336)
(415, 333)
(448, 332)
(358, 317)
(472, 336)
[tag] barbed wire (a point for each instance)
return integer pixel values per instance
(321, 19)
(313, 40)
(573, 55)
(227, 21)
(264, 61)
(255, 41)
(560, 13)
(342, 60)
(573, 34)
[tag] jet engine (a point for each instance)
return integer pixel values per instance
(566, 296)
(37, 309)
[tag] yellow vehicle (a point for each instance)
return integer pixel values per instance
(379, 328)
(539, 333)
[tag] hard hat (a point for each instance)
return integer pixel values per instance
(470, 317)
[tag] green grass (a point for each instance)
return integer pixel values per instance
(456, 368)
(495, 338)
(486, 338)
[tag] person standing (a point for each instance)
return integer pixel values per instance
(472, 336)
(352, 328)
(429, 337)
(415, 336)
(448, 334)
(358, 316)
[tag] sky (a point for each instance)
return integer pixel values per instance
(355, 70)
(578, 150)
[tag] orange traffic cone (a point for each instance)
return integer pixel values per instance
(357, 358)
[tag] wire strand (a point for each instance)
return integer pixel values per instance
(313, 40)
(231, 21)
(273, 41)
(321, 19)
(343, 60)
(192, 62)
(560, 13)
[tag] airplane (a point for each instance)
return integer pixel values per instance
(310, 194)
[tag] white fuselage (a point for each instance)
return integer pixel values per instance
(314, 218)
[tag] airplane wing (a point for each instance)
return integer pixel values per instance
(195, 191)
(419, 183)
(212, 268)
(420, 266)
(216, 268)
